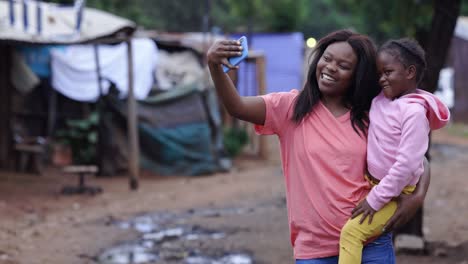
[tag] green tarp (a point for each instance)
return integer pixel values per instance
(180, 131)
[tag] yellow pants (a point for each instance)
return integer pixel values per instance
(353, 235)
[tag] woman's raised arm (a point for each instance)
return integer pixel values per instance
(252, 108)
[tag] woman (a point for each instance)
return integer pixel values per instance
(323, 135)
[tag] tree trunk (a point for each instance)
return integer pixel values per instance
(438, 40)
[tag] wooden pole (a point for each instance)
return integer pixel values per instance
(132, 123)
(51, 110)
(260, 70)
(99, 145)
(98, 69)
(5, 107)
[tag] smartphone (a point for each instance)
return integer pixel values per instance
(236, 60)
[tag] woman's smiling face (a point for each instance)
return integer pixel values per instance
(335, 69)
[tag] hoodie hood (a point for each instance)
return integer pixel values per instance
(438, 113)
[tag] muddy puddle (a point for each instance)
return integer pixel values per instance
(167, 237)
(444, 152)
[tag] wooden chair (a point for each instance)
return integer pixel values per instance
(30, 153)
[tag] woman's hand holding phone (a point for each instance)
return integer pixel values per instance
(228, 53)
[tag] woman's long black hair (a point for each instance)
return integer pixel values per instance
(364, 86)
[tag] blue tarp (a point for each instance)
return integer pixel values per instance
(284, 55)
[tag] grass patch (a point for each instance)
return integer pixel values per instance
(458, 129)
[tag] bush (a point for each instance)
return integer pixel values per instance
(234, 140)
(81, 136)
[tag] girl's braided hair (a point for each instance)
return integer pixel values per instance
(408, 52)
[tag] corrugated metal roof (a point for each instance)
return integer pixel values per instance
(58, 24)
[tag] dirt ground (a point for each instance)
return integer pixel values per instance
(39, 225)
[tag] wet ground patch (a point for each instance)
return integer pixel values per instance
(167, 237)
(447, 152)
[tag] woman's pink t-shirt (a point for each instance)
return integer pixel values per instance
(323, 162)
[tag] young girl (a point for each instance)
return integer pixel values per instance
(401, 117)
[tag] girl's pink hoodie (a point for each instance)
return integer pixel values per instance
(398, 139)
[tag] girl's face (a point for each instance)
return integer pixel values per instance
(393, 76)
(335, 69)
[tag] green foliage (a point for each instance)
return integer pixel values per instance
(382, 19)
(464, 8)
(284, 15)
(81, 136)
(322, 17)
(172, 15)
(258, 15)
(234, 140)
(379, 19)
(388, 19)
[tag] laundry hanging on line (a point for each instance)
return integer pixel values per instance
(74, 71)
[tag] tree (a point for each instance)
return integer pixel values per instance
(437, 41)
(432, 23)
(387, 19)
